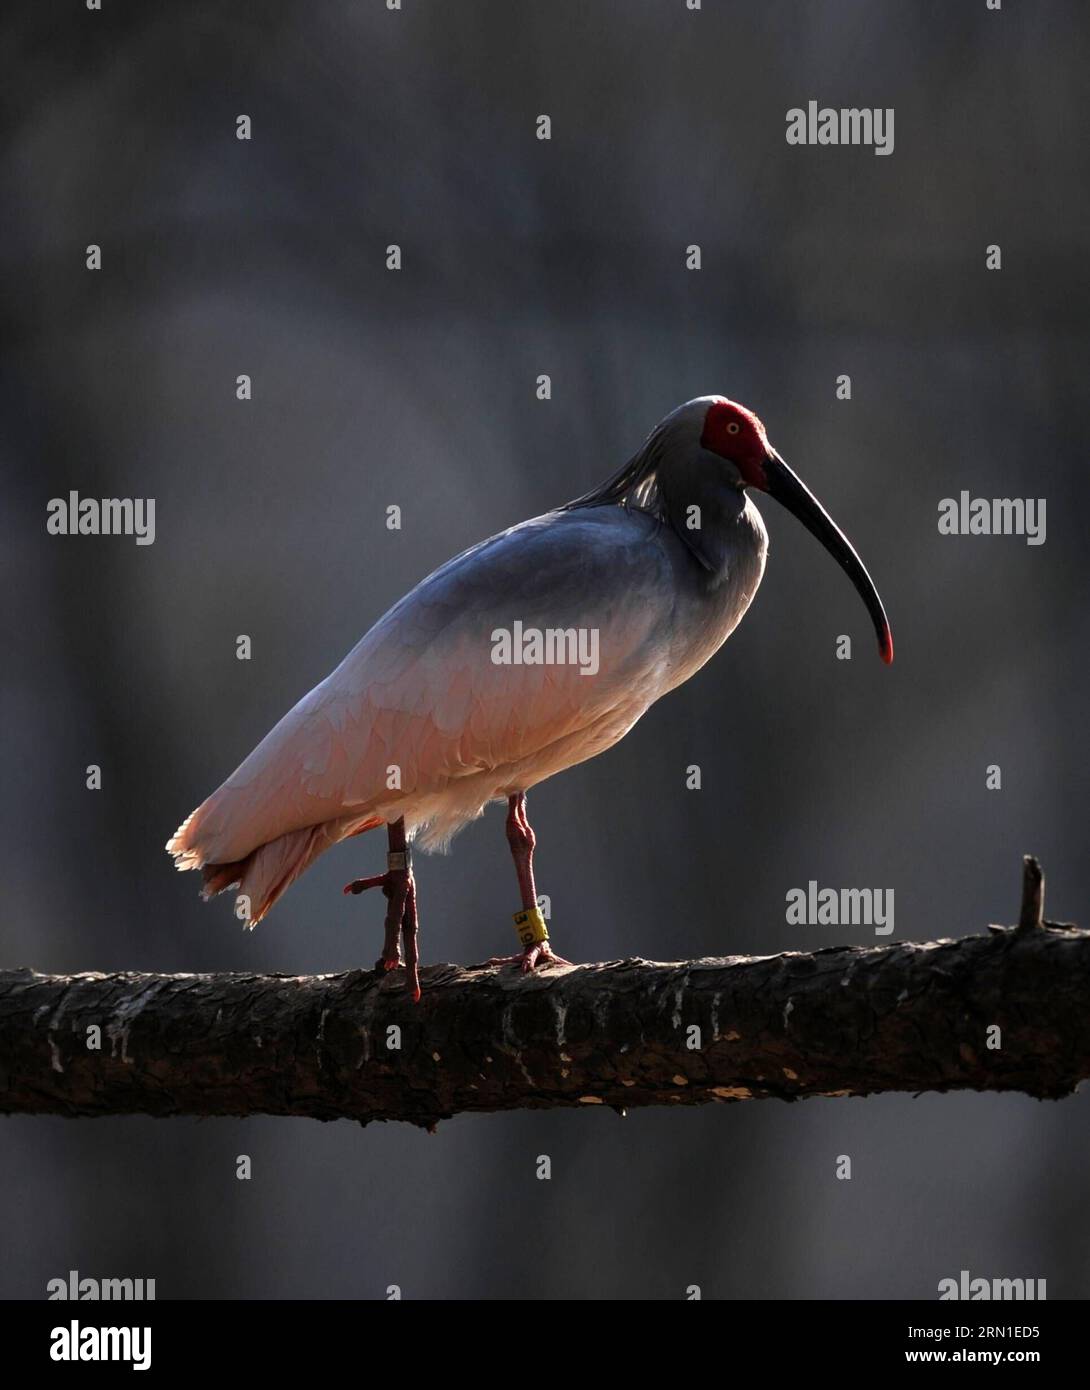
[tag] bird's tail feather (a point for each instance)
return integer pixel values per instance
(272, 868)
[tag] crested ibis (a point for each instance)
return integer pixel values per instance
(529, 652)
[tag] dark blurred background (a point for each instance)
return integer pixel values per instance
(522, 257)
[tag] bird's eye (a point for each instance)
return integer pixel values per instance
(733, 427)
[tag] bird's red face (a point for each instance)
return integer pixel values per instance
(735, 434)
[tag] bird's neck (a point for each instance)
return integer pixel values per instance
(712, 600)
(715, 523)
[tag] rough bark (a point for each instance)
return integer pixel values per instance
(838, 1022)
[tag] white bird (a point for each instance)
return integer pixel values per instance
(526, 654)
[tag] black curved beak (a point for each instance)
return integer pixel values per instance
(789, 490)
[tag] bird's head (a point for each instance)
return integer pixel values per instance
(733, 440)
(736, 436)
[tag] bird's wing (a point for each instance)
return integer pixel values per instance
(421, 693)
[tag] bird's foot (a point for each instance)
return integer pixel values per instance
(391, 949)
(539, 953)
(399, 889)
(361, 885)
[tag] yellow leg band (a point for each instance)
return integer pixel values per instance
(530, 926)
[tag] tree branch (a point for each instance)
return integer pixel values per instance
(844, 1021)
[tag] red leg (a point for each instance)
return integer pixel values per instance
(409, 926)
(399, 889)
(521, 838)
(523, 842)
